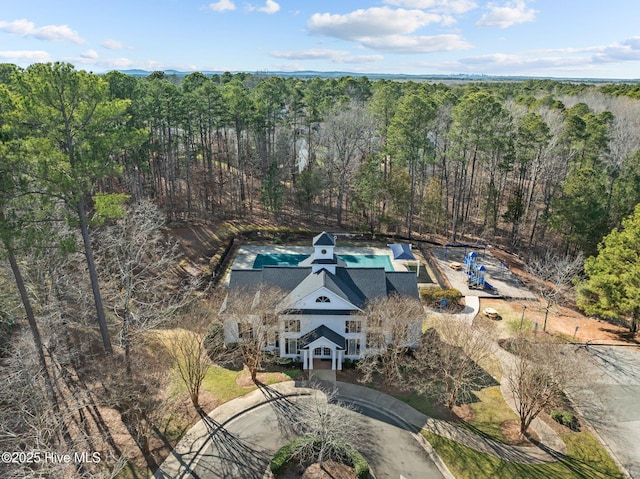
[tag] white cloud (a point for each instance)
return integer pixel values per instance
(453, 6)
(111, 44)
(335, 56)
(502, 62)
(377, 21)
(222, 5)
(388, 30)
(585, 60)
(626, 51)
(106, 64)
(22, 57)
(510, 64)
(56, 33)
(358, 59)
(270, 7)
(512, 13)
(90, 55)
(312, 54)
(417, 44)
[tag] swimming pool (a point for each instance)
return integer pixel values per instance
(278, 259)
(351, 260)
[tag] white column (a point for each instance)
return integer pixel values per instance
(310, 358)
(340, 355)
(334, 354)
(304, 359)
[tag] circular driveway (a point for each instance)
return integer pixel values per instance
(243, 448)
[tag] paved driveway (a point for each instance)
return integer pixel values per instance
(251, 439)
(610, 400)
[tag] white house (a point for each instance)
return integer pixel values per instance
(321, 314)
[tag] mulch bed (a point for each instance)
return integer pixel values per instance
(329, 470)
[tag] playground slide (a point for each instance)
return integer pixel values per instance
(488, 286)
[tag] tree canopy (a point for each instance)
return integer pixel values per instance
(612, 287)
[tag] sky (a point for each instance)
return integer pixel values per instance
(542, 38)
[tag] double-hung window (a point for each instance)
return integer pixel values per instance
(292, 325)
(353, 326)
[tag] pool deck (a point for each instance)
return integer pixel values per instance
(246, 255)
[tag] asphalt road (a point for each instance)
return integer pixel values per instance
(610, 400)
(244, 450)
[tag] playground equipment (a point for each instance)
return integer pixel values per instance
(475, 272)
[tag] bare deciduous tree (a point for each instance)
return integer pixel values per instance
(555, 275)
(347, 134)
(189, 357)
(187, 347)
(251, 321)
(141, 285)
(448, 363)
(540, 373)
(393, 326)
(328, 427)
(27, 420)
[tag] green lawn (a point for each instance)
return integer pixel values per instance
(418, 402)
(585, 459)
(489, 413)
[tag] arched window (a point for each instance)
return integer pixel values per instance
(322, 299)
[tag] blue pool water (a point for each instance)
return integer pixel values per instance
(278, 259)
(351, 260)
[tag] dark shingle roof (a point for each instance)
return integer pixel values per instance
(367, 283)
(403, 283)
(245, 279)
(286, 278)
(355, 285)
(324, 239)
(322, 332)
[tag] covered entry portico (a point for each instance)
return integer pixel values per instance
(322, 343)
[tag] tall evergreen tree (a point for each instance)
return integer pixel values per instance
(612, 287)
(83, 132)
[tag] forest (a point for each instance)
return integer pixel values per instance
(94, 167)
(526, 164)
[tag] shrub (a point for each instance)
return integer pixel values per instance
(516, 326)
(282, 457)
(435, 295)
(286, 453)
(358, 462)
(348, 363)
(566, 419)
(273, 359)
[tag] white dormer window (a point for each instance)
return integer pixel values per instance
(322, 299)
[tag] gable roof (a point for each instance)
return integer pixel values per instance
(324, 239)
(354, 285)
(316, 281)
(322, 332)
